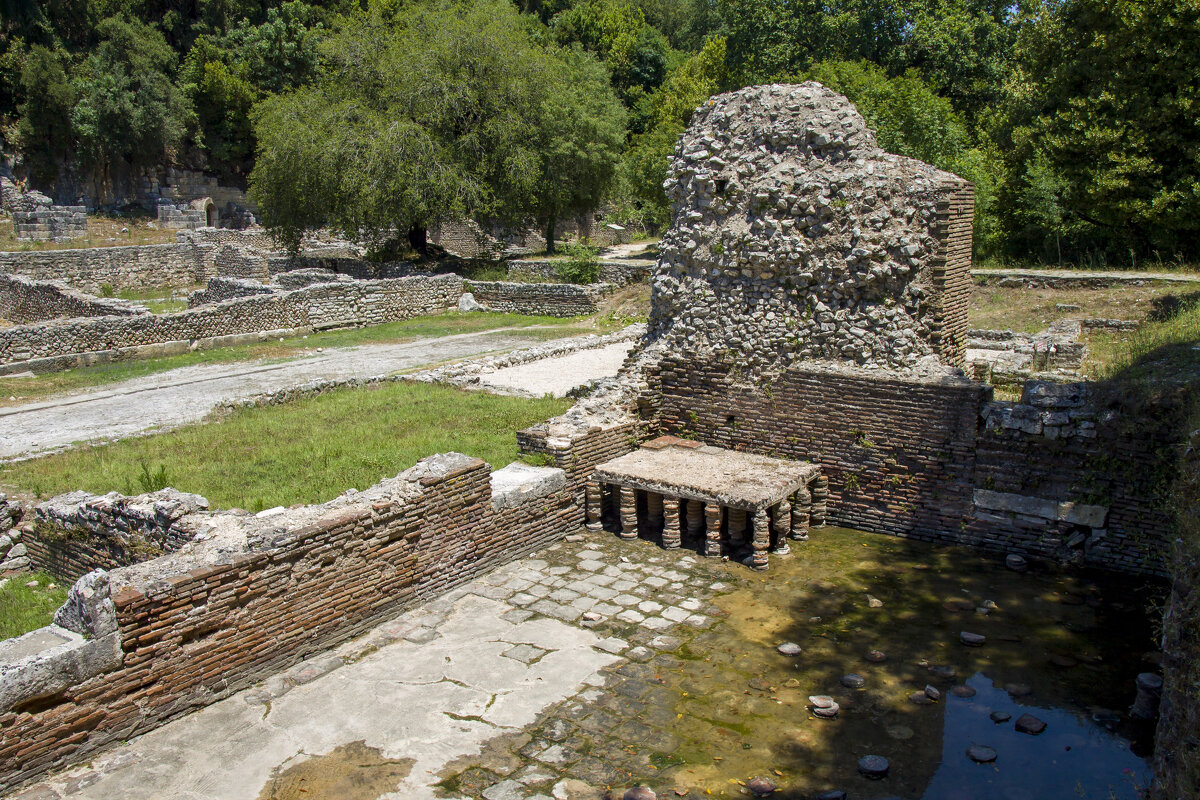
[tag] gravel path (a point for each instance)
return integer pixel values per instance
(559, 375)
(181, 396)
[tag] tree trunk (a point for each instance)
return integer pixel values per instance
(550, 225)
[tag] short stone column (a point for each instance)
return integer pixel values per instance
(595, 506)
(736, 517)
(762, 539)
(629, 528)
(820, 496)
(712, 524)
(1149, 696)
(654, 510)
(670, 535)
(695, 517)
(781, 527)
(799, 531)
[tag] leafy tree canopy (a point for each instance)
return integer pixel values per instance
(434, 112)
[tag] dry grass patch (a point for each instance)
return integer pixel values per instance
(1031, 310)
(104, 230)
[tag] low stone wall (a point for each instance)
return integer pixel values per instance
(142, 644)
(24, 301)
(221, 289)
(1055, 476)
(549, 299)
(75, 342)
(353, 267)
(138, 266)
(51, 224)
(618, 273)
(77, 532)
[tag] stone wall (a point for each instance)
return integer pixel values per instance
(796, 237)
(1078, 473)
(135, 267)
(74, 533)
(618, 273)
(51, 224)
(931, 457)
(68, 343)
(145, 643)
(550, 299)
(221, 289)
(24, 301)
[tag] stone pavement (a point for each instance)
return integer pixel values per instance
(439, 683)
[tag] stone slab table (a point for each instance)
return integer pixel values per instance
(689, 484)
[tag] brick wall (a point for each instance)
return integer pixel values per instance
(195, 626)
(933, 458)
(951, 276)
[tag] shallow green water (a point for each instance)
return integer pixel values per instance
(1067, 644)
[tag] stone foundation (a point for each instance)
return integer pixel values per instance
(25, 301)
(550, 299)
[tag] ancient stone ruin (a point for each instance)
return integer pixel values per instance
(796, 237)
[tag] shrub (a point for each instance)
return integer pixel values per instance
(582, 264)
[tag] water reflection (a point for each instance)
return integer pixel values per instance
(1075, 757)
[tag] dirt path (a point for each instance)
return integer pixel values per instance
(181, 396)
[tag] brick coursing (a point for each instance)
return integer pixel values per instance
(194, 630)
(906, 456)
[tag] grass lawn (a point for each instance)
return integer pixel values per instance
(25, 608)
(1032, 310)
(307, 451)
(18, 391)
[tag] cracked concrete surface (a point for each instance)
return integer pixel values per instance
(429, 703)
(181, 396)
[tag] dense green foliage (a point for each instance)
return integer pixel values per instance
(1077, 120)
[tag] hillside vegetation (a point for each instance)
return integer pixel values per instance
(1077, 120)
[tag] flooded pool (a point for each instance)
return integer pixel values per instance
(879, 623)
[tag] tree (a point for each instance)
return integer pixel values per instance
(616, 32)
(44, 132)
(644, 166)
(225, 75)
(1102, 126)
(442, 111)
(127, 108)
(581, 133)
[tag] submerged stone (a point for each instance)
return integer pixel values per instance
(1028, 723)
(981, 754)
(874, 766)
(640, 793)
(854, 681)
(963, 690)
(943, 671)
(761, 786)
(932, 693)
(876, 656)
(1000, 716)
(972, 639)
(833, 794)
(789, 649)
